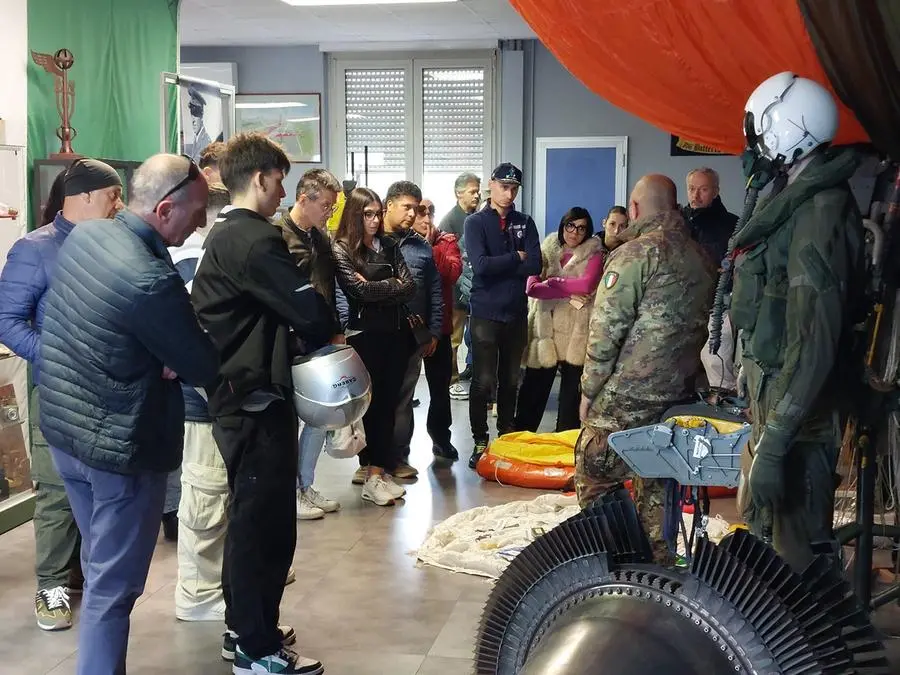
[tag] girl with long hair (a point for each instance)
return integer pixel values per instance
(375, 283)
(559, 314)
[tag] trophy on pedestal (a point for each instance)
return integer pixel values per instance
(58, 65)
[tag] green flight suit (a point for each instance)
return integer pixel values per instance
(798, 271)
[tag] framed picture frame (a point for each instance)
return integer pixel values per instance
(294, 121)
(194, 113)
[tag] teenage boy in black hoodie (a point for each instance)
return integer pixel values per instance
(249, 294)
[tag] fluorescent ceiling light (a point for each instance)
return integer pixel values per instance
(302, 119)
(272, 104)
(340, 3)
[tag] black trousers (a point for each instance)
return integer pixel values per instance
(438, 371)
(260, 454)
(535, 391)
(386, 356)
(497, 350)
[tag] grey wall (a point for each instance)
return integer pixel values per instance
(273, 70)
(553, 103)
(557, 104)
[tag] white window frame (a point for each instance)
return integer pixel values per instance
(413, 65)
(544, 143)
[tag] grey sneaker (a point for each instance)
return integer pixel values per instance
(52, 609)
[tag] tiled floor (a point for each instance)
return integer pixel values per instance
(360, 602)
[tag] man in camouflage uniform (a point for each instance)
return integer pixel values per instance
(798, 276)
(647, 328)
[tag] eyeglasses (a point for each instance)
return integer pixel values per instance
(328, 208)
(422, 210)
(368, 214)
(572, 227)
(192, 174)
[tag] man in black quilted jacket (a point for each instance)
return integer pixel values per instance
(118, 333)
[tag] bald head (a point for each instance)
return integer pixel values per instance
(169, 193)
(653, 194)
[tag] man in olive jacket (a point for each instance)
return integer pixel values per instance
(303, 230)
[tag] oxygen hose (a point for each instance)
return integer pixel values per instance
(718, 312)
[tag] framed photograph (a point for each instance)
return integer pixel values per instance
(294, 121)
(195, 113)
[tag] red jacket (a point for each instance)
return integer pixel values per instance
(448, 260)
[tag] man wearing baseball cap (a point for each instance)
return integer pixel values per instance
(91, 189)
(504, 250)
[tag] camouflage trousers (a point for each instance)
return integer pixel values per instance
(598, 468)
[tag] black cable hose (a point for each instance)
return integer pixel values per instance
(725, 276)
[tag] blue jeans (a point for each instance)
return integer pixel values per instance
(312, 441)
(119, 518)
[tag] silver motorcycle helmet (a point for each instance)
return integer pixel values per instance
(332, 388)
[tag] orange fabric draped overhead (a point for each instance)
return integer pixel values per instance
(685, 66)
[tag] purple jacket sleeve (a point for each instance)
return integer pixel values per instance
(22, 283)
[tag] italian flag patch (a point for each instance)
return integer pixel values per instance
(610, 279)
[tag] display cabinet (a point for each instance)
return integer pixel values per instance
(46, 171)
(16, 502)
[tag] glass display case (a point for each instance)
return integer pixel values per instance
(15, 473)
(46, 171)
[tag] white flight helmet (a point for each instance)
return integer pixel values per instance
(332, 388)
(787, 117)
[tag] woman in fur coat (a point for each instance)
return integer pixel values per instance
(559, 314)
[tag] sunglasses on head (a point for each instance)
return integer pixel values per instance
(193, 172)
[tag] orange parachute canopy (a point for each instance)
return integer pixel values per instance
(685, 66)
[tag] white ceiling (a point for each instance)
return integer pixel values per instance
(274, 23)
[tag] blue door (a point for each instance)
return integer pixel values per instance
(579, 177)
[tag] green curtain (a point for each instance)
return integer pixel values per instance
(120, 49)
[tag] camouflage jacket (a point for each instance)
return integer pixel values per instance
(650, 316)
(799, 275)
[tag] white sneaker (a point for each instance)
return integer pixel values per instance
(396, 490)
(375, 490)
(458, 392)
(314, 497)
(306, 510)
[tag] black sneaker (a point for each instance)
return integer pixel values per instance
(229, 641)
(285, 662)
(445, 451)
(466, 375)
(477, 452)
(170, 526)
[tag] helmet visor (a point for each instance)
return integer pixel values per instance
(750, 130)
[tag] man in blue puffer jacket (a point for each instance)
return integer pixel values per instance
(119, 332)
(402, 203)
(90, 190)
